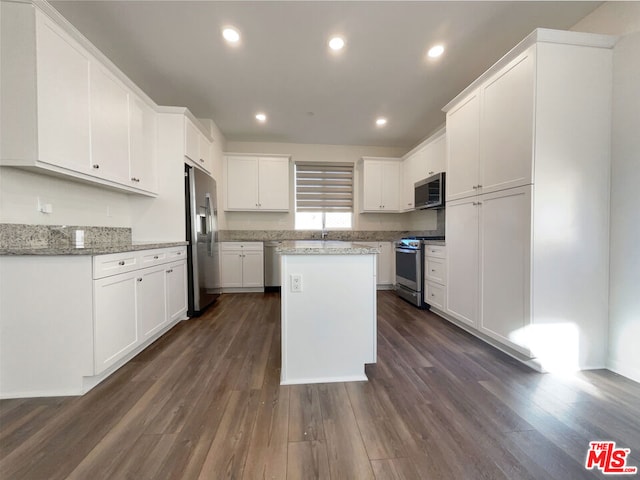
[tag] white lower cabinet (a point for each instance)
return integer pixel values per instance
(489, 255)
(242, 266)
(131, 307)
(151, 313)
(435, 276)
(176, 290)
(115, 330)
(385, 264)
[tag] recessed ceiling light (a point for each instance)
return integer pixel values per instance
(381, 121)
(435, 51)
(261, 117)
(336, 43)
(231, 35)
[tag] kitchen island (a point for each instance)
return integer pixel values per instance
(328, 311)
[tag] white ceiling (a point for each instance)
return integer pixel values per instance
(174, 52)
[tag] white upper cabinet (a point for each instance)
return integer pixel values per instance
(257, 183)
(143, 123)
(62, 98)
(428, 159)
(109, 126)
(380, 185)
(506, 126)
(197, 146)
(64, 111)
(463, 136)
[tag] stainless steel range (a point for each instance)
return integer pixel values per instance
(409, 269)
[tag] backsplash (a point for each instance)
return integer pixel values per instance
(17, 235)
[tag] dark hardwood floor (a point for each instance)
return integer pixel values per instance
(204, 402)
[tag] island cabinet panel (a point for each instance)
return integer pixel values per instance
(329, 323)
(257, 183)
(528, 194)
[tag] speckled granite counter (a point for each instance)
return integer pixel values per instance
(90, 250)
(23, 239)
(318, 247)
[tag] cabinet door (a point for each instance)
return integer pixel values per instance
(242, 183)
(435, 270)
(151, 307)
(191, 141)
(386, 268)
(436, 156)
(231, 268)
(142, 162)
(115, 329)
(372, 186)
(252, 269)
(505, 256)
(462, 148)
(274, 186)
(204, 147)
(390, 186)
(506, 126)
(410, 171)
(462, 260)
(63, 99)
(176, 281)
(109, 126)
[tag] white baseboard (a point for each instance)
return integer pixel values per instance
(625, 370)
(347, 378)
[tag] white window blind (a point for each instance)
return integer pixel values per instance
(324, 187)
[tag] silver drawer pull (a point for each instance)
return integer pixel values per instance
(121, 262)
(432, 270)
(178, 253)
(95, 165)
(155, 257)
(139, 279)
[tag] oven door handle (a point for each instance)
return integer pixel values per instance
(407, 250)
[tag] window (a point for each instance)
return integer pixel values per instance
(324, 196)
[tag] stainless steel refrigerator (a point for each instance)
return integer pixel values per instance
(202, 235)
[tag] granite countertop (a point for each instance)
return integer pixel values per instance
(319, 247)
(435, 242)
(90, 249)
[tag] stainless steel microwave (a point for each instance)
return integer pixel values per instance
(429, 193)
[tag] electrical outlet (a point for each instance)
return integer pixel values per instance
(296, 283)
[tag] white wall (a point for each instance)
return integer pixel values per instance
(623, 18)
(322, 153)
(73, 203)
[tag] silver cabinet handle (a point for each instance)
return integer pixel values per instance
(139, 279)
(121, 262)
(430, 173)
(170, 270)
(155, 257)
(432, 270)
(95, 165)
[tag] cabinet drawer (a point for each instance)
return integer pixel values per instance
(162, 255)
(434, 295)
(435, 270)
(439, 251)
(153, 257)
(254, 246)
(113, 264)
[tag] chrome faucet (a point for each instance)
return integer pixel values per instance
(324, 234)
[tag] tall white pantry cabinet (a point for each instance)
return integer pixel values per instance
(528, 162)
